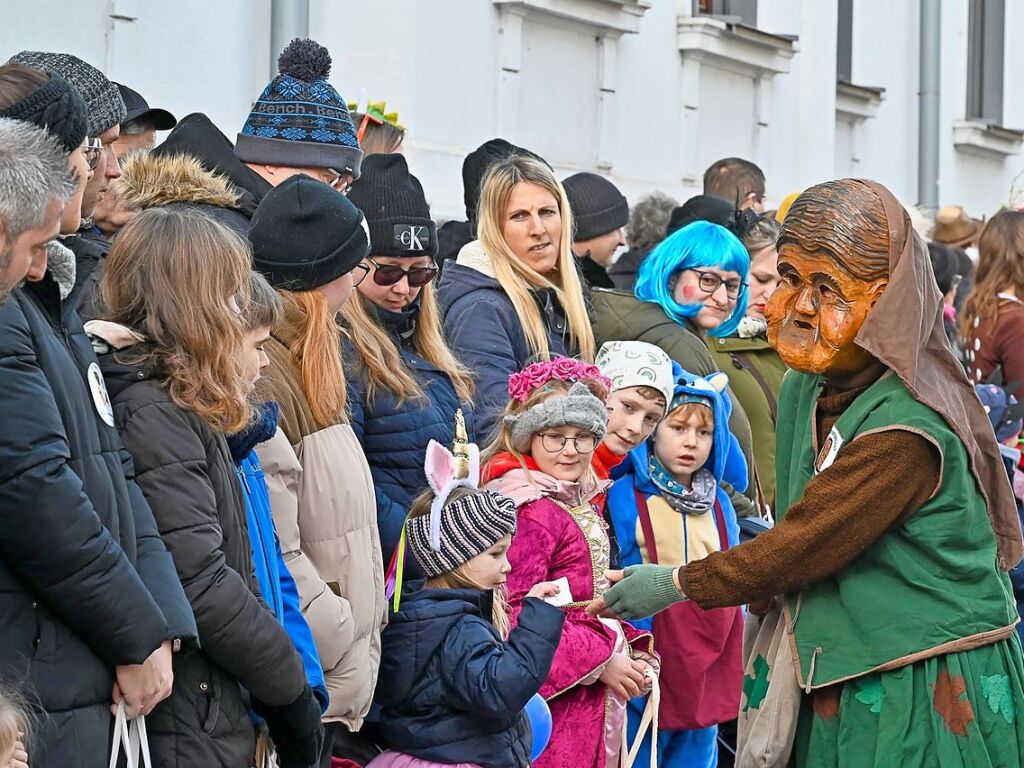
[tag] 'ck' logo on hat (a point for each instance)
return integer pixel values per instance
(412, 237)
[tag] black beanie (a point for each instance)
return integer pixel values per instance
(305, 234)
(711, 208)
(476, 164)
(396, 210)
(597, 205)
(55, 106)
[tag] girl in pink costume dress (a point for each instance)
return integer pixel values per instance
(541, 459)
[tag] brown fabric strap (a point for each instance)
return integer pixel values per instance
(644, 514)
(744, 360)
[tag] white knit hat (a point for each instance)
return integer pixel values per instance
(636, 364)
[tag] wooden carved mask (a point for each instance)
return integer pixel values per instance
(834, 266)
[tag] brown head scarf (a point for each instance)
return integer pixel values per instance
(904, 331)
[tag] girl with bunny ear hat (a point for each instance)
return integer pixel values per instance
(458, 679)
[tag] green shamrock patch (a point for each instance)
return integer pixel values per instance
(870, 694)
(997, 691)
(755, 688)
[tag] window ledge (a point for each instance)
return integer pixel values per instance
(981, 138)
(614, 17)
(857, 102)
(734, 46)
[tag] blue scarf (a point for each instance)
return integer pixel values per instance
(695, 500)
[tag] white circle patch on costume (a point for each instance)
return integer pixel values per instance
(100, 398)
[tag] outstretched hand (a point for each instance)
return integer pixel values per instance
(637, 592)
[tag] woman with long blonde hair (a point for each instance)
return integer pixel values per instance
(514, 295)
(404, 383)
(309, 241)
(992, 322)
(174, 286)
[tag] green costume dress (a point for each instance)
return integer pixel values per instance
(909, 655)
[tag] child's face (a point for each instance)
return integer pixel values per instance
(631, 419)
(683, 443)
(489, 569)
(254, 359)
(567, 462)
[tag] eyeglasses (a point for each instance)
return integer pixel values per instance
(554, 442)
(389, 274)
(709, 283)
(363, 272)
(341, 181)
(92, 150)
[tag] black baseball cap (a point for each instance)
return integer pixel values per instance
(138, 107)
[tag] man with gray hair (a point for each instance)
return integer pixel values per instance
(35, 183)
(90, 603)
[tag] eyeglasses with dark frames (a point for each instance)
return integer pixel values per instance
(554, 442)
(709, 282)
(389, 274)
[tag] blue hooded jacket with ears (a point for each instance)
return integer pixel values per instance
(726, 463)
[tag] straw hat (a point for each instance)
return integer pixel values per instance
(953, 227)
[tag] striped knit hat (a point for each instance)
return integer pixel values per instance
(470, 525)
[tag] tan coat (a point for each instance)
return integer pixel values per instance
(322, 500)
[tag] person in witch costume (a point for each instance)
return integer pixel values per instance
(896, 523)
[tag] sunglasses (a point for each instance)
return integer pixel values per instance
(389, 274)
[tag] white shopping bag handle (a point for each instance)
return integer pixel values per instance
(649, 720)
(133, 738)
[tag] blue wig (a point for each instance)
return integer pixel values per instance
(700, 244)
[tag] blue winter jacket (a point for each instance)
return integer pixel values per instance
(277, 587)
(450, 690)
(485, 333)
(726, 463)
(394, 435)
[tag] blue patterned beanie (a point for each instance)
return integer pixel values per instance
(299, 120)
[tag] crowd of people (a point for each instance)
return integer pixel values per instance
(300, 478)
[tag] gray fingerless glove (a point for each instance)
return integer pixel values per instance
(643, 591)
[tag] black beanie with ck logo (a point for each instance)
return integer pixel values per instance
(395, 207)
(305, 234)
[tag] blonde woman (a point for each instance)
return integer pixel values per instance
(404, 383)
(514, 295)
(174, 283)
(308, 241)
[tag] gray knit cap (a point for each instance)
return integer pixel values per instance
(106, 107)
(470, 525)
(579, 408)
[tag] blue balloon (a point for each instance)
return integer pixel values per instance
(540, 723)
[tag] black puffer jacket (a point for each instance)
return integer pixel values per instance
(454, 692)
(85, 581)
(186, 471)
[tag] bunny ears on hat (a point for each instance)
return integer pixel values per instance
(447, 470)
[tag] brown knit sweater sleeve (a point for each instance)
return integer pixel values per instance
(875, 483)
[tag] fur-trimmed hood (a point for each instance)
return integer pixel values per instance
(149, 180)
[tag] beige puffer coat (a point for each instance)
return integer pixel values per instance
(322, 500)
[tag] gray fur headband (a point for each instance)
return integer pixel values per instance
(579, 408)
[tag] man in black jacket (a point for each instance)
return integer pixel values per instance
(90, 604)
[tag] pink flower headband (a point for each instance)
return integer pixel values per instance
(521, 384)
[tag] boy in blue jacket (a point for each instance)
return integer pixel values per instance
(277, 587)
(669, 507)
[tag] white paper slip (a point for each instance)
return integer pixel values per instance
(564, 596)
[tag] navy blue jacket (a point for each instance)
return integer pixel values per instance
(86, 582)
(394, 435)
(485, 333)
(451, 691)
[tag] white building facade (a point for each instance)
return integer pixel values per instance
(647, 92)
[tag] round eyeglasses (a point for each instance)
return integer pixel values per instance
(554, 442)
